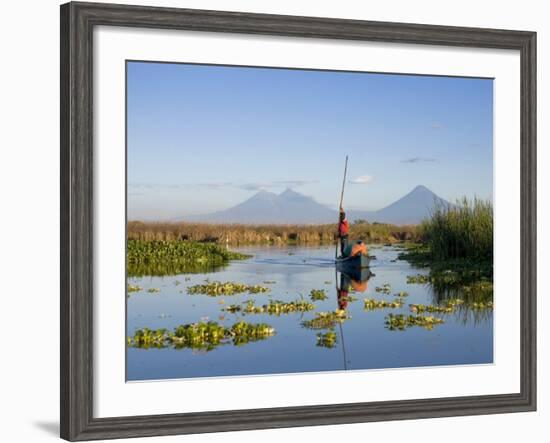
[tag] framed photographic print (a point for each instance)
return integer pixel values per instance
(272, 221)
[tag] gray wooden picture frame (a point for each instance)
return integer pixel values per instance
(77, 23)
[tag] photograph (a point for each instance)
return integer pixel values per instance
(284, 220)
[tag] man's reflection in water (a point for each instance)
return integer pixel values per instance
(356, 282)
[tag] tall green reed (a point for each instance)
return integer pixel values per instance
(460, 231)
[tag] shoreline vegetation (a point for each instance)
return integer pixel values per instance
(457, 247)
(159, 257)
(242, 235)
(455, 244)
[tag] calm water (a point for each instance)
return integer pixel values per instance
(362, 342)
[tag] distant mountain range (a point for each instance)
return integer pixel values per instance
(265, 207)
(291, 207)
(410, 209)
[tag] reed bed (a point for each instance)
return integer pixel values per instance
(241, 234)
(461, 231)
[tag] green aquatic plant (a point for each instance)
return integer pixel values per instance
(401, 322)
(447, 309)
(402, 294)
(175, 257)
(372, 304)
(479, 289)
(197, 335)
(463, 230)
(217, 288)
(318, 295)
(147, 338)
(201, 335)
(326, 320)
(133, 288)
(153, 290)
(450, 306)
(481, 305)
(326, 340)
(243, 332)
(385, 288)
(275, 307)
(233, 308)
(454, 302)
(418, 279)
(466, 277)
(347, 298)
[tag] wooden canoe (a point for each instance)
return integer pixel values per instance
(356, 262)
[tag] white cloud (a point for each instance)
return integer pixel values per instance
(362, 180)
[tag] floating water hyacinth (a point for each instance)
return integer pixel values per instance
(233, 308)
(153, 290)
(418, 279)
(447, 309)
(450, 306)
(402, 322)
(480, 288)
(454, 302)
(385, 288)
(148, 338)
(217, 288)
(481, 305)
(348, 298)
(326, 320)
(402, 294)
(243, 332)
(372, 304)
(201, 335)
(318, 295)
(275, 307)
(133, 288)
(327, 339)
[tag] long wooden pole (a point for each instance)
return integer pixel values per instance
(340, 323)
(341, 201)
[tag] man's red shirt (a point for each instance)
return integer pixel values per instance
(343, 228)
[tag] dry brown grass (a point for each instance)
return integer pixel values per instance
(237, 234)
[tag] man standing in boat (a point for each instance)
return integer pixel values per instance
(343, 230)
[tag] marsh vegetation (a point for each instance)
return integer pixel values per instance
(419, 286)
(161, 257)
(240, 235)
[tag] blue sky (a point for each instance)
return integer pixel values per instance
(204, 138)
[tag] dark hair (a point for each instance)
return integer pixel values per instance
(342, 215)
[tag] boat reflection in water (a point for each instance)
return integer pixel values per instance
(355, 280)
